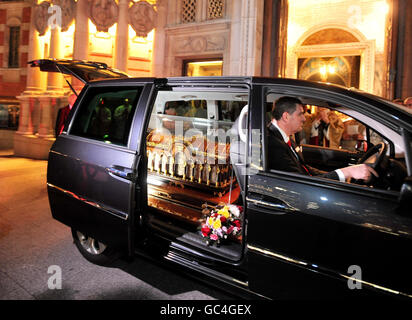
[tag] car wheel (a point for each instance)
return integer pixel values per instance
(94, 250)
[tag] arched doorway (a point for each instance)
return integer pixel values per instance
(342, 70)
(333, 54)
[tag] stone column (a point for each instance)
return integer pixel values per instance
(55, 87)
(46, 119)
(81, 34)
(33, 84)
(55, 79)
(122, 37)
(159, 42)
(246, 37)
(81, 38)
(25, 118)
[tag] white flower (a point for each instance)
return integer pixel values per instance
(234, 210)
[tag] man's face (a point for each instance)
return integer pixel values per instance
(296, 120)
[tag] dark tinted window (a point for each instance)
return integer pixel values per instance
(189, 108)
(14, 47)
(106, 114)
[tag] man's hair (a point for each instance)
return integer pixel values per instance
(284, 104)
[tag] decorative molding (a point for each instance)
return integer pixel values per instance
(142, 18)
(364, 49)
(199, 44)
(40, 17)
(13, 21)
(103, 14)
(68, 8)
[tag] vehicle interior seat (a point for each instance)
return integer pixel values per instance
(238, 147)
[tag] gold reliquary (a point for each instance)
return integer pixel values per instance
(194, 160)
(184, 173)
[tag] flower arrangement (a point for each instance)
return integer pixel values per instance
(221, 222)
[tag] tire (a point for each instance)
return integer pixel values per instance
(93, 250)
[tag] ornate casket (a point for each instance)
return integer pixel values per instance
(187, 173)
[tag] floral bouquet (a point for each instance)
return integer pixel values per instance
(221, 222)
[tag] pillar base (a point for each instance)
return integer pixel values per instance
(32, 146)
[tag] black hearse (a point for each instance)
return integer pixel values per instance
(176, 169)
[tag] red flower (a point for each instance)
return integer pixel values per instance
(205, 231)
(237, 223)
(222, 219)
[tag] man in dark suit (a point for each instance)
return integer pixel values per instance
(287, 119)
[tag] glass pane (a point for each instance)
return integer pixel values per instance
(189, 150)
(204, 68)
(106, 114)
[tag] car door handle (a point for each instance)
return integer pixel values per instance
(121, 172)
(272, 204)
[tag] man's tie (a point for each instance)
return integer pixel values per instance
(289, 143)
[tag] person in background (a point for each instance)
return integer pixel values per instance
(63, 114)
(398, 101)
(408, 102)
(327, 129)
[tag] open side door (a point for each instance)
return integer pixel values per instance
(93, 175)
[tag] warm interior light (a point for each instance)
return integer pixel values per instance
(204, 68)
(323, 70)
(67, 38)
(382, 7)
(204, 63)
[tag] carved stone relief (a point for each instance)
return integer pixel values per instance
(41, 17)
(199, 44)
(103, 13)
(68, 9)
(142, 18)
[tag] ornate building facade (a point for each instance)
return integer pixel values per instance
(361, 44)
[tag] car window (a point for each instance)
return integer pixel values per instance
(335, 137)
(106, 114)
(196, 111)
(193, 146)
(333, 129)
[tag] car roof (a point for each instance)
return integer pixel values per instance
(90, 71)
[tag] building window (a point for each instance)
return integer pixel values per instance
(14, 41)
(203, 67)
(215, 9)
(188, 11)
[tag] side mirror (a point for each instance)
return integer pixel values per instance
(405, 197)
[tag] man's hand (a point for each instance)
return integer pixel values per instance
(359, 172)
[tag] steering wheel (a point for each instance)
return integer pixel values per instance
(374, 158)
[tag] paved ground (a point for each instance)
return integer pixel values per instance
(31, 242)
